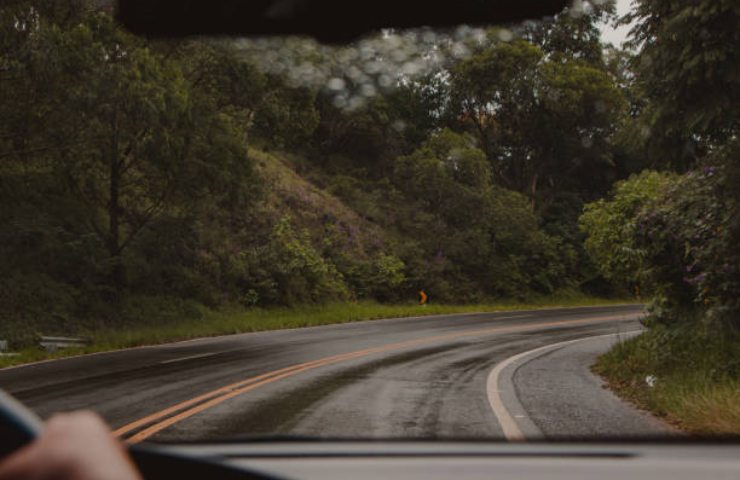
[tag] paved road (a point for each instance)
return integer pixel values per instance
(416, 377)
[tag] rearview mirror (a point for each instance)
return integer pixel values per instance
(326, 20)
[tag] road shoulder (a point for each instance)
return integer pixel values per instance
(552, 390)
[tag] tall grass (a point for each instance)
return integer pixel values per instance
(695, 376)
(240, 320)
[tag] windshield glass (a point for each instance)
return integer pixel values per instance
(505, 232)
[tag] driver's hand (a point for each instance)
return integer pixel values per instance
(75, 446)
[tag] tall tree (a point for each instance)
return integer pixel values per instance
(687, 67)
(544, 124)
(118, 126)
(573, 34)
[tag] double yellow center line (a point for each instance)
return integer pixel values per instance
(156, 422)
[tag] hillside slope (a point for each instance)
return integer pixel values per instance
(313, 208)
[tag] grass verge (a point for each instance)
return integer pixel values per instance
(239, 320)
(694, 375)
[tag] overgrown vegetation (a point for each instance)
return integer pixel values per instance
(689, 376)
(675, 237)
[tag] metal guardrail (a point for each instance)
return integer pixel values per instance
(52, 344)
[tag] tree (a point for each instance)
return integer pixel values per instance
(418, 106)
(118, 127)
(489, 85)
(263, 105)
(474, 238)
(543, 124)
(687, 68)
(573, 34)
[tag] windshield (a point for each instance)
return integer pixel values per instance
(509, 232)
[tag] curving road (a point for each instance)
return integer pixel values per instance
(415, 377)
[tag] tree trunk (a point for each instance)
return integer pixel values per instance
(114, 210)
(247, 127)
(533, 191)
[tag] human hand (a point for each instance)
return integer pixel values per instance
(75, 446)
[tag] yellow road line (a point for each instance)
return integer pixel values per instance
(180, 411)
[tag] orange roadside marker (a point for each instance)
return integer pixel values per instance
(422, 297)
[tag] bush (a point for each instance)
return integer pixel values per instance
(34, 304)
(675, 236)
(290, 270)
(691, 247)
(611, 228)
(380, 277)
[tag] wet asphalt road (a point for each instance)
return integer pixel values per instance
(434, 385)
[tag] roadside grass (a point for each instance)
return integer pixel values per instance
(696, 380)
(240, 320)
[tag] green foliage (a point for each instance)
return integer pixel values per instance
(688, 68)
(381, 277)
(127, 188)
(473, 238)
(364, 140)
(611, 226)
(685, 88)
(691, 242)
(265, 106)
(417, 108)
(679, 235)
(289, 120)
(676, 236)
(112, 158)
(34, 305)
(695, 373)
(300, 274)
(544, 123)
(573, 34)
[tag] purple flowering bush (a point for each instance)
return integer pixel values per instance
(689, 239)
(674, 238)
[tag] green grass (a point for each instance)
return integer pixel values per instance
(232, 321)
(697, 385)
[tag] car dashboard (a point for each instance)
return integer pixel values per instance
(472, 460)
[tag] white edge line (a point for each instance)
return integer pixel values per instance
(505, 419)
(191, 357)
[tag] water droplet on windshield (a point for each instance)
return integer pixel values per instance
(368, 90)
(336, 84)
(505, 35)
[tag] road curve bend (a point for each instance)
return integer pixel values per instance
(415, 377)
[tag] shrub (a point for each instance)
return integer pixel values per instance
(290, 270)
(677, 236)
(691, 247)
(34, 304)
(611, 228)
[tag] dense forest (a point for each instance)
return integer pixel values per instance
(143, 180)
